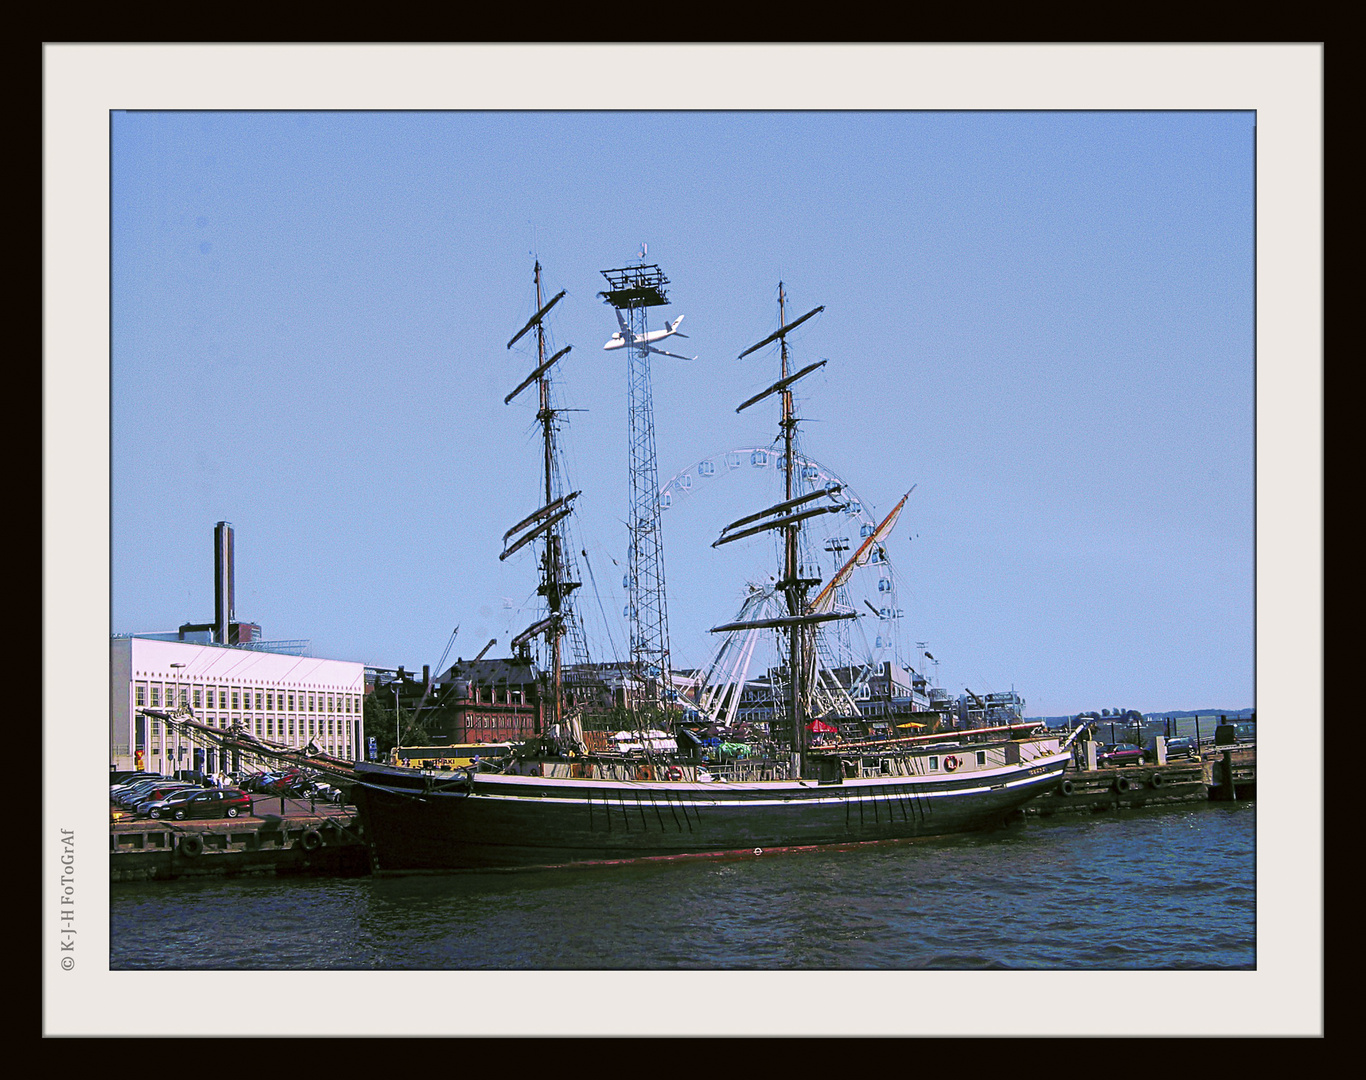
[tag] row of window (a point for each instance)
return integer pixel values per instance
(154, 696)
(270, 727)
(170, 752)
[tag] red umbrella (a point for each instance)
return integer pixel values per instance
(820, 725)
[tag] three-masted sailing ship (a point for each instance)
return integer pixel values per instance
(554, 803)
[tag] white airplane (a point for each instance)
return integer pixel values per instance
(624, 337)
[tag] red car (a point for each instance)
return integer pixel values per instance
(219, 802)
(1120, 754)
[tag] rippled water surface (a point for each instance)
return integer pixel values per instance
(1165, 889)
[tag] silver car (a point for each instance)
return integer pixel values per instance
(156, 808)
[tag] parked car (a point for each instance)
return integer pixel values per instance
(218, 802)
(133, 793)
(321, 792)
(135, 782)
(156, 808)
(1120, 754)
(1182, 746)
(127, 776)
(151, 794)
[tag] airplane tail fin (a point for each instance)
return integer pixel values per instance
(673, 327)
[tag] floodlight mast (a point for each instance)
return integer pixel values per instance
(632, 291)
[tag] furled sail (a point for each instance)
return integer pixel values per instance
(826, 599)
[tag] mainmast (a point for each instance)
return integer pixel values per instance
(787, 517)
(790, 583)
(545, 523)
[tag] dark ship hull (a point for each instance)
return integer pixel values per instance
(415, 821)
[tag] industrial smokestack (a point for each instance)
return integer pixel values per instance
(224, 609)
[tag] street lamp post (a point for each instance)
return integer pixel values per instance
(177, 668)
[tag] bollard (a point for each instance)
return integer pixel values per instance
(1228, 776)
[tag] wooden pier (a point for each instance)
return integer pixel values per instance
(326, 843)
(1128, 787)
(1230, 773)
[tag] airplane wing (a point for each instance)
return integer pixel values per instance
(624, 337)
(674, 355)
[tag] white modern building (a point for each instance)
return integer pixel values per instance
(279, 697)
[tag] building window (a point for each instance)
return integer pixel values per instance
(198, 696)
(291, 727)
(270, 700)
(258, 699)
(270, 727)
(140, 695)
(235, 700)
(330, 729)
(258, 727)
(310, 703)
(291, 702)
(329, 702)
(156, 697)
(184, 695)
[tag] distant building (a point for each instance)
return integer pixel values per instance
(279, 697)
(485, 701)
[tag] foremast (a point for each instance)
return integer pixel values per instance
(546, 524)
(786, 518)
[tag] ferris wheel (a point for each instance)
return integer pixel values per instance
(856, 648)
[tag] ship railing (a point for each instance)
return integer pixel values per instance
(744, 771)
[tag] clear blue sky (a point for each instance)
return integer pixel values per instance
(1042, 320)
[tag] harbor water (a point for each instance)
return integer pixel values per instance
(1164, 889)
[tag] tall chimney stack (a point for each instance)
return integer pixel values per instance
(224, 611)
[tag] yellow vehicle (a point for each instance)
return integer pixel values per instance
(452, 756)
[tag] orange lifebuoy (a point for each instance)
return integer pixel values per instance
(645, 773)
(951, 763)
(674, 773)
